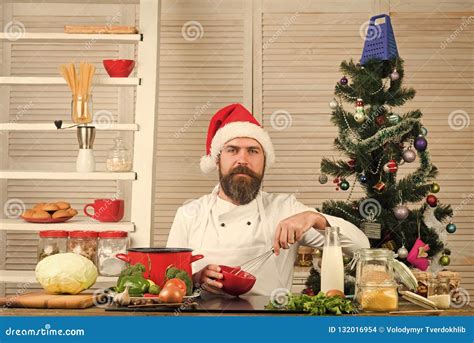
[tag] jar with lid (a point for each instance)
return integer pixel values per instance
(84, 243)
(110, 244)
(376, 288)
(52, 242)
(439, 293)
(119, 158)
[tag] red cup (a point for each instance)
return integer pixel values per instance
(106, 210)
(118, 68)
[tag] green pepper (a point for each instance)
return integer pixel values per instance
(137, 285)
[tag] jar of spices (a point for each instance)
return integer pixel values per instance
(52, 242)
(84, 243)
(110, 244)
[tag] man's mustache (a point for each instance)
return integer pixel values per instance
(243, 170)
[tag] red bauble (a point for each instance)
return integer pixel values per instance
(432, 200)
(380, 120)
(351, 163)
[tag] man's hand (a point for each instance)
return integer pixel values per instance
(207, 278)
(291, 229)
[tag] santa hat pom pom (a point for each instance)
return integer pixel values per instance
(207, 164)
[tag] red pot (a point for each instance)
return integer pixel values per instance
(157, 260)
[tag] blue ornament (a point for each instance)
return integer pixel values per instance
(451, 228)
(420, 143)
(363, 179)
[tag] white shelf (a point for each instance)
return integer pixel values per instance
(51, 127)
(73, 224)
(53, 175)
(52, 80)
(73, 37)
(28, 276)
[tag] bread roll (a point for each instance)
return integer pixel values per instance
(40, 214)
(39, 206)
(28, 214)
(61, 214)
(63, 205)
(72, 212)
(50, 207)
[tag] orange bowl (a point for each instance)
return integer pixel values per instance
(118, 68)
(236, 283)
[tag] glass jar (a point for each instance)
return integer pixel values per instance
(439, 293)
(423, 279)
(81, 109)
(376, 288)
(84, 243)
(52, 242)
(110, 244)
(119, 158)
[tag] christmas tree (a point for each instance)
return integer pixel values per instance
(377, 141)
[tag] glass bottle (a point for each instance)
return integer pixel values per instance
(332, 265)
(119, 158)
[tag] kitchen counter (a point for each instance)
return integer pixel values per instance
(219, 306)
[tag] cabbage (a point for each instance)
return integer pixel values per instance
(66, 273)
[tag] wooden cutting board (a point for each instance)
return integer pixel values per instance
(44, 300)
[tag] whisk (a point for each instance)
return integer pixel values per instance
(254, 264)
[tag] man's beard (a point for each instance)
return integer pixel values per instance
(241, 189)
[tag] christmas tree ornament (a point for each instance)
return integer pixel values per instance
(435, 187)
(444, 260)
(394, 119)
(447, 251)
(402, 252)
(390, 167)
(372, 230)
(344, 185)
(359, 118)
(432, 200)
(317, 253)
(451, 228)
(343, 81)
(424, 131)
(363, 179)
(418, 255)
(323, 178)
(346, 260)
(351, 163)
(333, 104)
(380, 120)
(390, 245)
(420, 143)
(409, 155)
(394, 76)
(401, 212)
(379, 187)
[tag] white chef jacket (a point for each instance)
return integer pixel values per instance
(229, 234)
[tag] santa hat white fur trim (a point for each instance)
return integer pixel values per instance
(235, 130)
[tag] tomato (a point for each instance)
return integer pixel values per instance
(178, 283)
(171, 294)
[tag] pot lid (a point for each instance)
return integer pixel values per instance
(405, 275)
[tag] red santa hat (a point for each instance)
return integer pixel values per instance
(231, 122)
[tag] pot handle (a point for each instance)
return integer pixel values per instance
(196, 257)
(123, 257)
